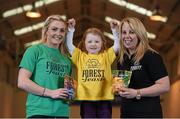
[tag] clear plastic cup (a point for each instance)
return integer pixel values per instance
(121, 78)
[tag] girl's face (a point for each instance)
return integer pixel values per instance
(129, 38)
(93, 43)
(56, 33)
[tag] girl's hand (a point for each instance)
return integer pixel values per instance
(114, 24)
(71, 23)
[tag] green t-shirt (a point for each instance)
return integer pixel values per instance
(48, 67)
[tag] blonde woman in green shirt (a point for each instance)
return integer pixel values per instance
(42, 71)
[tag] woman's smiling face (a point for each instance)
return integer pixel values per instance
(129, 38)
(56, 33)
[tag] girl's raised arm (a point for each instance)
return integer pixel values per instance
(115, 30)
(70, 34)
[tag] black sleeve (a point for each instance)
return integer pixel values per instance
(155, 66)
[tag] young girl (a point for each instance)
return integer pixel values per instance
(93, 62)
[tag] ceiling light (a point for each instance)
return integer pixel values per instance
(26, 7)
(151, 35)
(133, 7)
(138, 9)
(108, 19)
(33, 27)
(28, 29)
(157, 15)
(109, 35)
(33, 14)
(32, 43)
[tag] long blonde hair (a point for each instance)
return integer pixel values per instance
(50, 19)
(143, 42)
(94, 31)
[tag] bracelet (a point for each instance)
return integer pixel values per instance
(138, 95)
(43, 91)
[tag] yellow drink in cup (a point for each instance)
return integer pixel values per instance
(121, 78)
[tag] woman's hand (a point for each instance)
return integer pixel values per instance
(116, 87)
(128, 93)
(58, 93)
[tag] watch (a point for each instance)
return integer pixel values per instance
(138, 95)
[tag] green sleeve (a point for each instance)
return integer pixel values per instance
(29, 59)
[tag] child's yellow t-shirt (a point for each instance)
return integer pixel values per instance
(94, 74)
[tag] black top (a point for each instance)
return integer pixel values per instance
(144, 74)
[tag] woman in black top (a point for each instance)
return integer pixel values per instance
(149, 76)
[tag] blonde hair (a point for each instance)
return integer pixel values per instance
(143, 42)
(49, 20)
(94, 31)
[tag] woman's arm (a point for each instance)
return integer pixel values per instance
(69, 40)
(28, 85)
(161, 86)
(115, 30)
